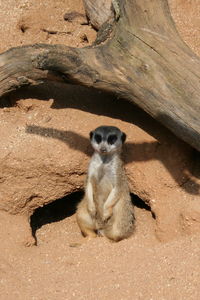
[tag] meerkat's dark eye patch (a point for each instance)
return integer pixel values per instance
(112, 139)
(98, 138)
(91, 134)
(123, 137)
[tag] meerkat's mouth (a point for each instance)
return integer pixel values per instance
(103, 150)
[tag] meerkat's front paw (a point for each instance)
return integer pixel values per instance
(107, 214)
(92, 211)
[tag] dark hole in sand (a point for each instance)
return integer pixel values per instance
(55, 211)
(141, 204)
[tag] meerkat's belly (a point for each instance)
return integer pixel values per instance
(104, 183)
(104, 187)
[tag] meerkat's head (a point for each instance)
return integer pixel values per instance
(107, 139)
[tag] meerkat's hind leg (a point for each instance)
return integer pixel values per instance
(122, 222)
(117, 234)
(113, 235)
(88, 232)
(85, 222)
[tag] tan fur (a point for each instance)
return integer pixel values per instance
(106, 208)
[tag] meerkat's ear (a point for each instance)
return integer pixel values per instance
(123, 137)
(91, 134)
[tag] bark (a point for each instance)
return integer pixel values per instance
(143, 60)
(98, 12)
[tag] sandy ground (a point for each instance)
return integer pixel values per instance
(63, 265)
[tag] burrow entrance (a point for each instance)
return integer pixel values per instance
(55, 211)
(66, 207)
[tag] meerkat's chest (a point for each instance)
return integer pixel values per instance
(103, 173)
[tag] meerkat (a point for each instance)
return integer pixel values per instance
(106, 208)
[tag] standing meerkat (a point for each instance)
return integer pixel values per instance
(106, 208)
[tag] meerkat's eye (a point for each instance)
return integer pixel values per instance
(112, 139)
(98, 138)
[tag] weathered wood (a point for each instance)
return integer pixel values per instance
(98, 12)
(144, 61)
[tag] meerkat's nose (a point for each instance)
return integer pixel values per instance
(103, 149)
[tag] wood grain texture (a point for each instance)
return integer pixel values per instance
(144, 60)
